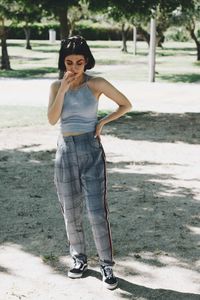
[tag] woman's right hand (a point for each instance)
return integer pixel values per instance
(68, 78)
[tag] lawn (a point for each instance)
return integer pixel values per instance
(176, 62)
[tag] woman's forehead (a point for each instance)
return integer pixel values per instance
(74, 57)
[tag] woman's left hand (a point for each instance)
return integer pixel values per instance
(99, 128)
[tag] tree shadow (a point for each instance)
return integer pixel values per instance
(16, 57)
(28, 73)
(177, 49)
(189, 78)
(129, 290)
(162, 127)
(45, 50)
(31, 216)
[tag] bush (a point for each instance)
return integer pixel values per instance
(89, 31)
(177, 34)
(38, 31)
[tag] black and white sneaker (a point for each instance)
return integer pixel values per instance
(79, 268)
(109, 280)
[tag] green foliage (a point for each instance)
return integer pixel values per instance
(91, 31)
(177, 34)
(98, 32)
(39, 31)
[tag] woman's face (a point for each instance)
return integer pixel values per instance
(75, 63)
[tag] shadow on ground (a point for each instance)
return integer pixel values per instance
(186, 78)
(28, 73)
(140, 292)
(157, 127)
(31, 217)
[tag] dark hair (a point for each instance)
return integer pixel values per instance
(75, 45)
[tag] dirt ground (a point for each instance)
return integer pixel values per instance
(153, 160)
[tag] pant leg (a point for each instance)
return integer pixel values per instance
(93, 179)
(67, 180)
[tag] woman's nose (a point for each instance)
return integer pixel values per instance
(74, 67)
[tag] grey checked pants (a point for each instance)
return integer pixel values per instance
(80, 175)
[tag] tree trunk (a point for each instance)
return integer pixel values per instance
(27, 31)
(198, 51)
(160, 40)
(194, 37)
(5, 61)
(71, 27)
(134, 40)
(124, 46)
(145, 35)
(64, 28)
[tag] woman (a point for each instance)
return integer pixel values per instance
(80, 160)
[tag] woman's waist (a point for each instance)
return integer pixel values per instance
(72, 133)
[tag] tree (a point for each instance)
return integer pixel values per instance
(76, 13)
(6, 10)
(139, 12)
(189, 19)
(59, 10)
(14, 11)
(27, 12)
(124, 23)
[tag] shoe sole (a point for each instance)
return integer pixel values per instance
(110, 286)
(76, 275)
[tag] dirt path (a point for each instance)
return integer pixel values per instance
(154, 196)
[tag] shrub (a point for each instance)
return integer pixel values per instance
(89, 31)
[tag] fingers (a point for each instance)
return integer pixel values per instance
(97, 132)
(69, 77)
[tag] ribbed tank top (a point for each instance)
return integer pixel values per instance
(79, 112)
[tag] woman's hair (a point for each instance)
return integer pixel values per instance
(75, 45)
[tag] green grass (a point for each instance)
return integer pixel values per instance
(25, 116)
(176, 62)
(20, 116)
(29, 73)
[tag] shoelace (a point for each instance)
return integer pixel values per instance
(77, 264)
(108, 272)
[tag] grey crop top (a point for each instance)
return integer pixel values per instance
(79, 112)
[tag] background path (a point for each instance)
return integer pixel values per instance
(160, 97)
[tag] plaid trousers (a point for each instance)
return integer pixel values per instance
(80, 175)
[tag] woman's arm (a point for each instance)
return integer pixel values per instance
(102, 86)
(56, 97)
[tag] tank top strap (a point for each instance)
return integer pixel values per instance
(87, 78)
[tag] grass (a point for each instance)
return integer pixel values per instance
(25, 116)
(176, 62)
(29, 73)
(21, 116)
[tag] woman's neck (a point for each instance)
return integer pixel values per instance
(78, 82)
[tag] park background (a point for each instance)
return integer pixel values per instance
(153, 152)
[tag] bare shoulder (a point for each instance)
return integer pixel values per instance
(97, 83)
(55, 85)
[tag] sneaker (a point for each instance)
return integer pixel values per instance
(79, 268)
(109, 280)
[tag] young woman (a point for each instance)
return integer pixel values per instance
(80, 173)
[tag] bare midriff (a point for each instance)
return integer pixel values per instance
(72, 133)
